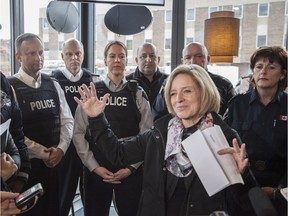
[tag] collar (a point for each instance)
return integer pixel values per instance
(70, 76)
(255, 97)
(111, 85)
(27, 79)
(141, 75)
(177, 161)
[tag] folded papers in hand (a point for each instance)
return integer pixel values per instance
(215, 171)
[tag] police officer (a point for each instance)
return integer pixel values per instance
(47, 121)
(70, 78)
(260, 118)
(147, 73)
(129, 113)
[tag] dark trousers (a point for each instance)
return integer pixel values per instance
(98, 195)
(48, 204)
(71, 167)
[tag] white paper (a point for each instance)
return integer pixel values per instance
(216, 139)
(4, 128)
(284, 192)
(206, 161)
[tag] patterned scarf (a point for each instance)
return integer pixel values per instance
(177, 161)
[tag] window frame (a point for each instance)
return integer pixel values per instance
(165, 43)
(259, 7)
(238, 6)
(258, 40)
(167, 16)
(194, 14)
(211, 11)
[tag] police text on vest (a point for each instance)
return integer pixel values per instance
(42, 104)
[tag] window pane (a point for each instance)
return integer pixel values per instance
(35, 14)
(168, 43)
(189, 40)
(238, 10)
(168, 17)
(286, 8)
(5, 46)
(191, 14)
(129, 44)
(212, 9)
(45, 23)
(148, 41)
(46, 46)
(263, 9)
(155, 33)
(261, 40)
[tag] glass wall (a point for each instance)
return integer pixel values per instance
(257, 28)
(5, 46)
(35, 21)
(158, 33)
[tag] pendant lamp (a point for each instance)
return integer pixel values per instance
(221, 36)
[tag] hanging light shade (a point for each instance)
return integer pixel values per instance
(222, 36)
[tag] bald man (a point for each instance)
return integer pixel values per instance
(147, 73)
(69, 78)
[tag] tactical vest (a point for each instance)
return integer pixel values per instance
(122, 113)
(71, 88)
(40, 109)
(121, 109)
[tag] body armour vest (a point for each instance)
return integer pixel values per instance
(40, 109)
(123, 115)
(121, 110)
(71, 88)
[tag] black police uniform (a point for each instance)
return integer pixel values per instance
(264, 130)
(151, 88)
(71, 164)
(124, 117)
(41, 123)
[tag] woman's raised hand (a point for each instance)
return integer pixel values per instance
(238, 153)
(89, 100)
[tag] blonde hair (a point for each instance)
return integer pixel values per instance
(210, 97)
